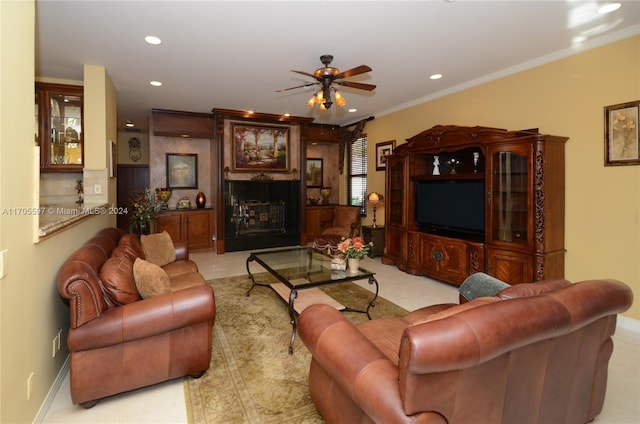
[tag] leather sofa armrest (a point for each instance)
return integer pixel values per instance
(352, 361)
(145, 318)
(182, 250)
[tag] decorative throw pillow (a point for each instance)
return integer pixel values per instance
(151, 280)
(158, 248)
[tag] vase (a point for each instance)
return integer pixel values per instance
(201, 200)
(140, 228)
(354, 265)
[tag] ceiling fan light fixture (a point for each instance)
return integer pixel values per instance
(326, 77)
(340, 101)
(312, 101)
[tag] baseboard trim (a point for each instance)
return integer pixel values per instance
(628, 324)
(53, 391)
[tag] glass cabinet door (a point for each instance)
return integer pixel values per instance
(59, 112)
(66, 130)
(509, 199)
(395, 198)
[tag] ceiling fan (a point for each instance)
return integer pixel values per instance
(328, 76)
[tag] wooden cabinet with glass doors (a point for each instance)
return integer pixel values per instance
(59, 127)
(513, 230)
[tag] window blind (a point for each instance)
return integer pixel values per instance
(358, 173)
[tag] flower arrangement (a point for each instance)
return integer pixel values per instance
(146, 206)
(354, 247)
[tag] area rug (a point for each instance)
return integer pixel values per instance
(252, 378)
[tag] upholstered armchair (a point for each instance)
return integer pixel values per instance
(344, 223)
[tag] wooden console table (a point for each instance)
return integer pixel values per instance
(195, 226)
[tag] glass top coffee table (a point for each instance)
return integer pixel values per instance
(305, 268)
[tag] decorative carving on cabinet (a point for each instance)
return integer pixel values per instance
(539, 268)
(474, 259)
(411, 248)
(539, 197)
(452, 134)
(262, 177)
(219, 124)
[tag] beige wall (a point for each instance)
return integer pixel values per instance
(31, 311)
(564, 98)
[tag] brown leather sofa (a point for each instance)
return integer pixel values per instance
(119, 341)
(534, 353)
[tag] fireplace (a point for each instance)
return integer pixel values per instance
(254, 217)
(261, 214)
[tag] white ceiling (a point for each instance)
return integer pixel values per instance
(236, 54)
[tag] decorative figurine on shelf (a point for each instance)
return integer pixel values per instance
(79, 192)
(476, 161)
(453, 164)
(184, 203)
(325, 192)
(436, 165)
(201, 200)
(164, 194)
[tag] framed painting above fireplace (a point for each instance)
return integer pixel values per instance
(260, 148)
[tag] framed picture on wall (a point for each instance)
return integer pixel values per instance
(314, 173)
(182, 170)
(383, 150)
(621, 137)
(260, 148)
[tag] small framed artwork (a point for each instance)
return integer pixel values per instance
(383, 150)
(182, 170)
(314, 173)
(260, 148)
(621, 137)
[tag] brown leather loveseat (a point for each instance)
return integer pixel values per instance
(533, 353)
(118, 340)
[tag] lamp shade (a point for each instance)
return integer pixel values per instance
(375, 198)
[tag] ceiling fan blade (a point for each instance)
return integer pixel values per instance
(298, 86)
(307, 74)
(354, 71)
(358, 85)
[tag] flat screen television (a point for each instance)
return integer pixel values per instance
(451, 208)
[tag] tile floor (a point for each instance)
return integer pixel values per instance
(164, 403)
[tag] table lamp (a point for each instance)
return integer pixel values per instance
(375, 199)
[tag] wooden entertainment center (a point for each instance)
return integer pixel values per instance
(514, 178)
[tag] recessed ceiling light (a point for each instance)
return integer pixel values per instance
(608, 8)
(352, 110)
(152, 39)
(435, 76)
(156, 83)
(129, 124)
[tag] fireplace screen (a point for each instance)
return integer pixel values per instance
(254, 217)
